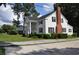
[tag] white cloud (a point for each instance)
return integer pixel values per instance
(21, 19)
(15, 17)
(48, 7)
(6, 14)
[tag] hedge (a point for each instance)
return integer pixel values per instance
(59, 36)
(74, 35)
(12, 32)
(48, 36)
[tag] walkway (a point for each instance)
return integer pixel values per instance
(63, 48)
(37, 42)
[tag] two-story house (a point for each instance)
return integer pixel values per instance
(54, 22)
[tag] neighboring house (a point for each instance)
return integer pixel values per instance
(53, 22)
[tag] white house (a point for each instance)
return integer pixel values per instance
(47, 24)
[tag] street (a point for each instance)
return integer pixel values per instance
(62, 48)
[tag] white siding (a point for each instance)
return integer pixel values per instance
(48, 23)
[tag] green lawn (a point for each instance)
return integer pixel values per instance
(18, 38)
(13, 38)
(2, 51)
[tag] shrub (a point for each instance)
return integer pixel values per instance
(58, 36)
(20, 32)
(74, 35)
(53, 36)
(46, 36)
(7, 28)
(39, 35)
(12, 32)
(33, 35)
(2, 31)
(62, 35)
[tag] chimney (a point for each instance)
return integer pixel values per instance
(58, 17)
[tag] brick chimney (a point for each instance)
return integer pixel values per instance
(58, 16)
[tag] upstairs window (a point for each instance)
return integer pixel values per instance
(53, 19)
(40, 22)
(63, 29)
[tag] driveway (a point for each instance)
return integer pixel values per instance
(62, 48)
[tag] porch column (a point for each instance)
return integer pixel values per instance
(30, 28)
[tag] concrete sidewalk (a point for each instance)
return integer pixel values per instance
(63, 48)
(37, 42)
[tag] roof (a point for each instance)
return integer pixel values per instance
(46, 15)
(42, 17)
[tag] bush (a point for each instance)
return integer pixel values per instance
(45, 36)
(58, 36)
(74, 35)
(39, 35)
(20, 32)
(10, 29)
(13, 32)
(7, 28)
(53, 36)
(48, 36)
(2, 31)
(31, 35)
(62, 35)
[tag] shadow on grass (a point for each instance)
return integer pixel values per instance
(6, 48)
(55, 51)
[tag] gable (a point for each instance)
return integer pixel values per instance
(54, 15)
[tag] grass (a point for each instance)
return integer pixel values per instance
(14, 38)
(18, 38)
(2, 51)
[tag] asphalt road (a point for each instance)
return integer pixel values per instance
(63, 48)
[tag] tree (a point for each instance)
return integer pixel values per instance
(28, 9)
(16, 23)
(7, 28)
(3, 3)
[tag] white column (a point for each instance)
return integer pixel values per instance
(30, 28)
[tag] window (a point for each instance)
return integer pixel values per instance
(40, 22)
(62, 20)
(40, 30)
(63, 29)
(70, 30)
(53, 19)
(51, 30)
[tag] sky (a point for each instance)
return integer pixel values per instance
(44, 8)
(7, 14)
